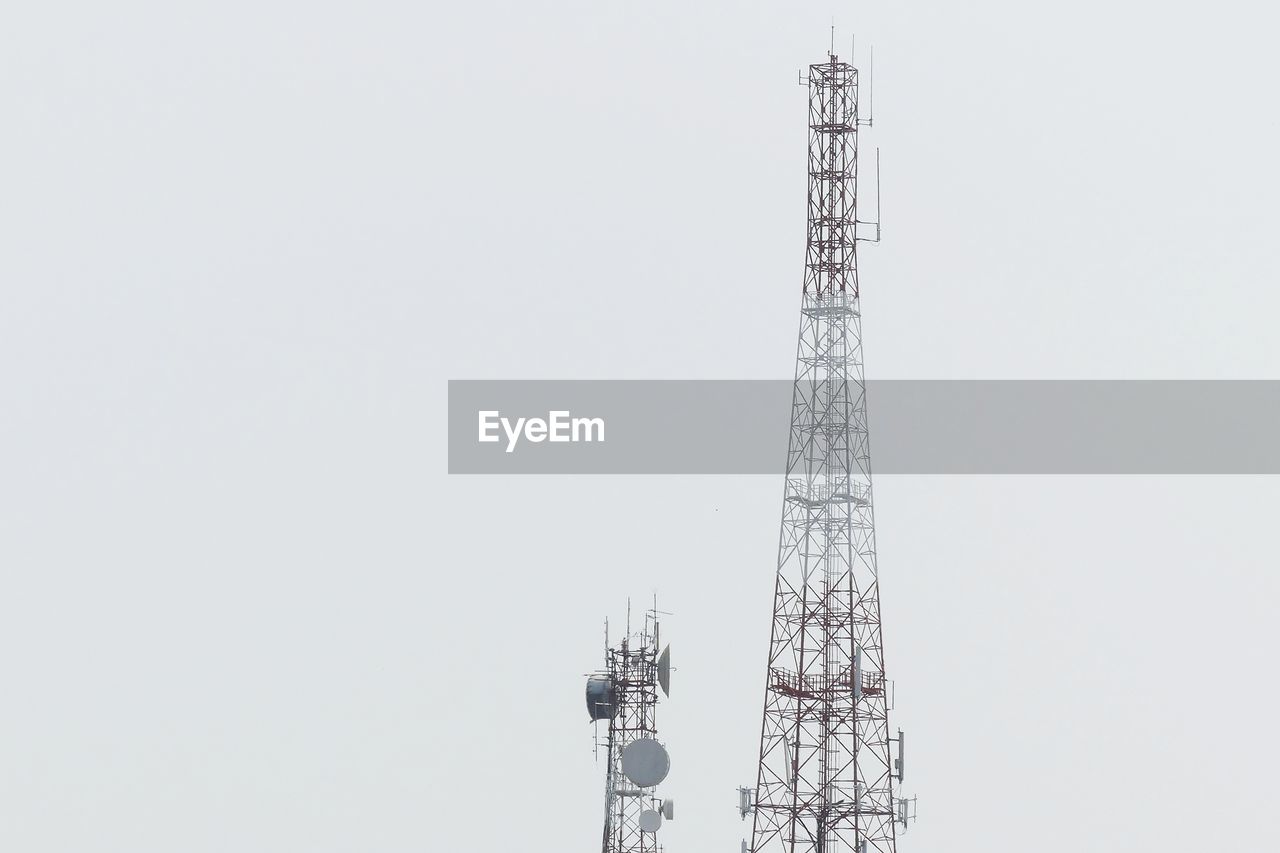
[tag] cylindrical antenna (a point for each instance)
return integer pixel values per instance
(878, 219)
(871, 86)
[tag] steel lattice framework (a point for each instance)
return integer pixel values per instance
(826, 776)
(632, 668)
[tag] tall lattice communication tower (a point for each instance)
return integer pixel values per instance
(625, 695)
(827, 764)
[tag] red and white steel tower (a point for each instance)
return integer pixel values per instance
(828, 763)
(625, 695)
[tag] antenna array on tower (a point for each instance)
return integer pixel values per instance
(826, 777)
(625, 696)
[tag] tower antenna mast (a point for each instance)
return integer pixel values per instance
(827, 765)
(624, 697)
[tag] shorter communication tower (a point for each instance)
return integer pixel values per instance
(625, 695)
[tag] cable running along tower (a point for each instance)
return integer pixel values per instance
(828, 763)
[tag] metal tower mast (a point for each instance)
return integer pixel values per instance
(626, 695)
(826, 773)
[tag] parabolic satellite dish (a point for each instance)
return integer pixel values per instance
(650, 820)
(645, 762)
(668, 809)
(664, 672)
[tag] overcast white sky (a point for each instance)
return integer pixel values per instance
(243, 245)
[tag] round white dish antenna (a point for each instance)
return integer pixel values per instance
(664, 672)
(650, 820)
(668, 809)
(645, 762)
